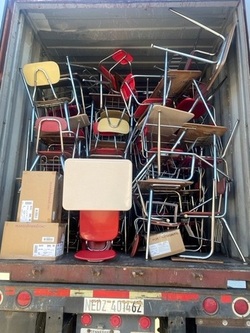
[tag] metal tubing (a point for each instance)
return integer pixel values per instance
(207, 61)
(198, 23)
(151, 193)
(234, 241)
(230, 138)
(204, 102)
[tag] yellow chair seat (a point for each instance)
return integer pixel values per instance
(113, 125)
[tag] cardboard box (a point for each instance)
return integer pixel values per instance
(165, 244)
(39, 241)
(41, 197)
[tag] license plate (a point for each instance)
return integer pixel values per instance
(114, 305)
(97, 330)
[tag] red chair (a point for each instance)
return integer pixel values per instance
(128, 91)
(190, 104)
(119, 57)
(109, 134)
(54, 142)
(97, 231)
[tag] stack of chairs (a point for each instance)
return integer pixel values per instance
(58, 120)
(162, 144)
(183, 165)
(110, 119)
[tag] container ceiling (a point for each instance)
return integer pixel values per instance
(88, 31)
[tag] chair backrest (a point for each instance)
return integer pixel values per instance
(122, 57)
(128, 87)
(113, 125)
(142, 108)
(113, 121)
(108, 76)
(51, 125)
(41, 73)
(187, 104)
(221, 197)
(114, 114)
(222, 192)
(221, 186)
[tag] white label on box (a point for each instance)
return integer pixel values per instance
(159, 248)
(26, 211)
(48, 239)
(36, 214)
(48, 250)
(59, 249)
(44, 250)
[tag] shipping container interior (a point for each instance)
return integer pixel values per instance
(139, 43)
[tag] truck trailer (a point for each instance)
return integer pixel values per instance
(130, 292)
